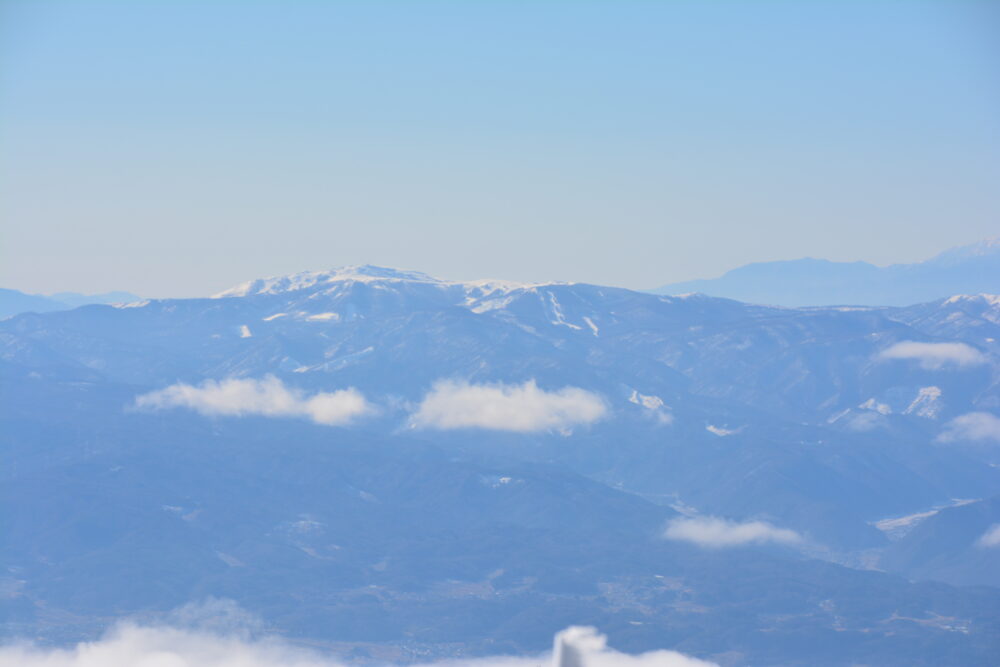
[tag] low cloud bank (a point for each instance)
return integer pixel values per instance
(991, 538)
(132, 645)
(971, 427)
(522, 408)
(715, 533)
(579, 646)
(934, 356)
(268, 397)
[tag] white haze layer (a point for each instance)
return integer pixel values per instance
(581, 646)
(522, 408)
(991, 538)
(935, 356)
(268, 397)
(716, 533)
(220, 645)
(971, 427)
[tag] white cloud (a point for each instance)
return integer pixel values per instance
(991, 538)
(934, 356)
(521, 408)
(132, 645)
(971, 426)
(579, 646)
(268, 397)
(714, 533)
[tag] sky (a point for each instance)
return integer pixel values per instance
(179, 148)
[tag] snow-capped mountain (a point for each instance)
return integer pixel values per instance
(309, 279)
(386, 443)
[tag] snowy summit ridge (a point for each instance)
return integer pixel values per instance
(360, 273)
(365, 273)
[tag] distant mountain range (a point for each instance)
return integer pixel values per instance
(972, 269)
(13, 302)
(369, 458)
(818, 282)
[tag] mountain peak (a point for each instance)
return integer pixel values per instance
(985, 248)
(364, 273)
(992, 300)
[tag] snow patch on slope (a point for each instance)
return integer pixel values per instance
(872, 404)
(721, 431)
(557, 313)
(132, 304)
(654, 404)
(897, 527)
(927, 404)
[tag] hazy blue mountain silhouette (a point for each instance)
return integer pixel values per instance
(75, 299)
(813, 282)
(13, 302)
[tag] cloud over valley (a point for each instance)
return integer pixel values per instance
(268, 397)
(520, 408)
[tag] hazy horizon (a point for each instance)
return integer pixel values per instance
(237, 281)
(178, 148)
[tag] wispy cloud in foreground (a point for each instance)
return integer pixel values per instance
(935, 356)
(973, 426)
(991, 538)
(716, 533)
(521, 408)
(268, 397)
(585, 647)
(132, 645)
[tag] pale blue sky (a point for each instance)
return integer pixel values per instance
(177, 148)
